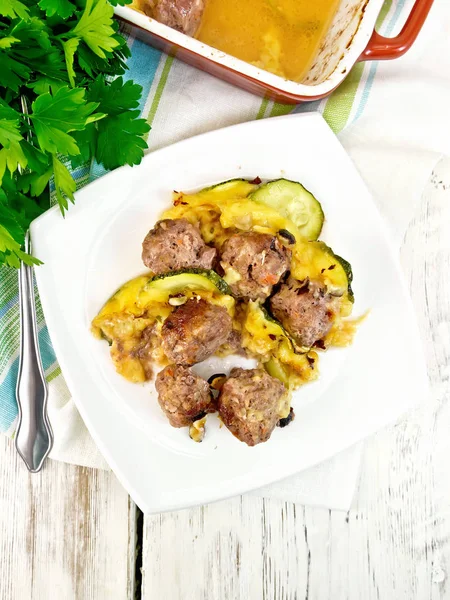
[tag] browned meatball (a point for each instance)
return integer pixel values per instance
(194, 331)
(304, 309)
(182, 395)
(144, 352)
(249, 404)
(183, 15)
(259, 260)
(233, 344)
(176, 244)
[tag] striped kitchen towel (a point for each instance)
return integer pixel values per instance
(179, 101)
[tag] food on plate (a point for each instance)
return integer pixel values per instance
(183, 15)
(141, 305)
(251, 403)
(176, 244)
(253, 263)
(195, 331)
(294, 202)
(197, 429)
(265, 338)
(183, 396)
(278, 296)
(317, 261)
(216, 382)
(282, 36)
(305, 309)
(287, 420)
(232, 345)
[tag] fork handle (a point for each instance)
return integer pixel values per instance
(34, 436)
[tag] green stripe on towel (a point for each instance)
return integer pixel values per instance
(262, 108)
(339, 106)
(160, 89)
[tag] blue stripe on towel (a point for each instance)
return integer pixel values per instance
(374, 65)
(8, 406)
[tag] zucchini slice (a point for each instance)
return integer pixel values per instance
(347, 268)
(265, 338)
(277, 370)
(317, 261)
(272, 321)
(295, 203)
(249, 215)
(125, 298)
(234, 189)
(136, 296)
(237, 188)
(176, 282)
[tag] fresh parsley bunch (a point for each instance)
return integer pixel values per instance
(60, 62)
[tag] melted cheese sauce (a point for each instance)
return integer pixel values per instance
(282, 36)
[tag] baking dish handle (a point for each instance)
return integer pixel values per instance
(384, 48)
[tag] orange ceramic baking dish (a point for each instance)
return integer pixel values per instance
(350, 38)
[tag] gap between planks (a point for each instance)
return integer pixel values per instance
(67, 532)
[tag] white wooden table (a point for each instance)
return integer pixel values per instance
(73, 533)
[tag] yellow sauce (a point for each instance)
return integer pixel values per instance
(282, 36)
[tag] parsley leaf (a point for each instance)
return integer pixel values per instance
(11, 158)
(7, 42)
(55, 116)
(95, 27)
(70, 47)
(43, 84)
(62, 8)
(65, 185)
(10, 219)
(36, 49)
(9, 129)
(11, 153)
(36, 160)
(120, 140)
(12, 73)
(13, 9)
(34, 36)
(61, 56)
(13, 222)
(35, 183)
(10, 251)
(86, 140)
(115, 97)
(93, 65)
(22, 207)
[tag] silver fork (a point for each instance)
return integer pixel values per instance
(34, 436)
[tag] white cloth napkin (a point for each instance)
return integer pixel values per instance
(395, 144)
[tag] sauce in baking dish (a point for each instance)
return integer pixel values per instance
(282, 36)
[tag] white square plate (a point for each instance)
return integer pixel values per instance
(97, 247)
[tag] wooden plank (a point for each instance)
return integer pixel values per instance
(394, 544)
(65, 533)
